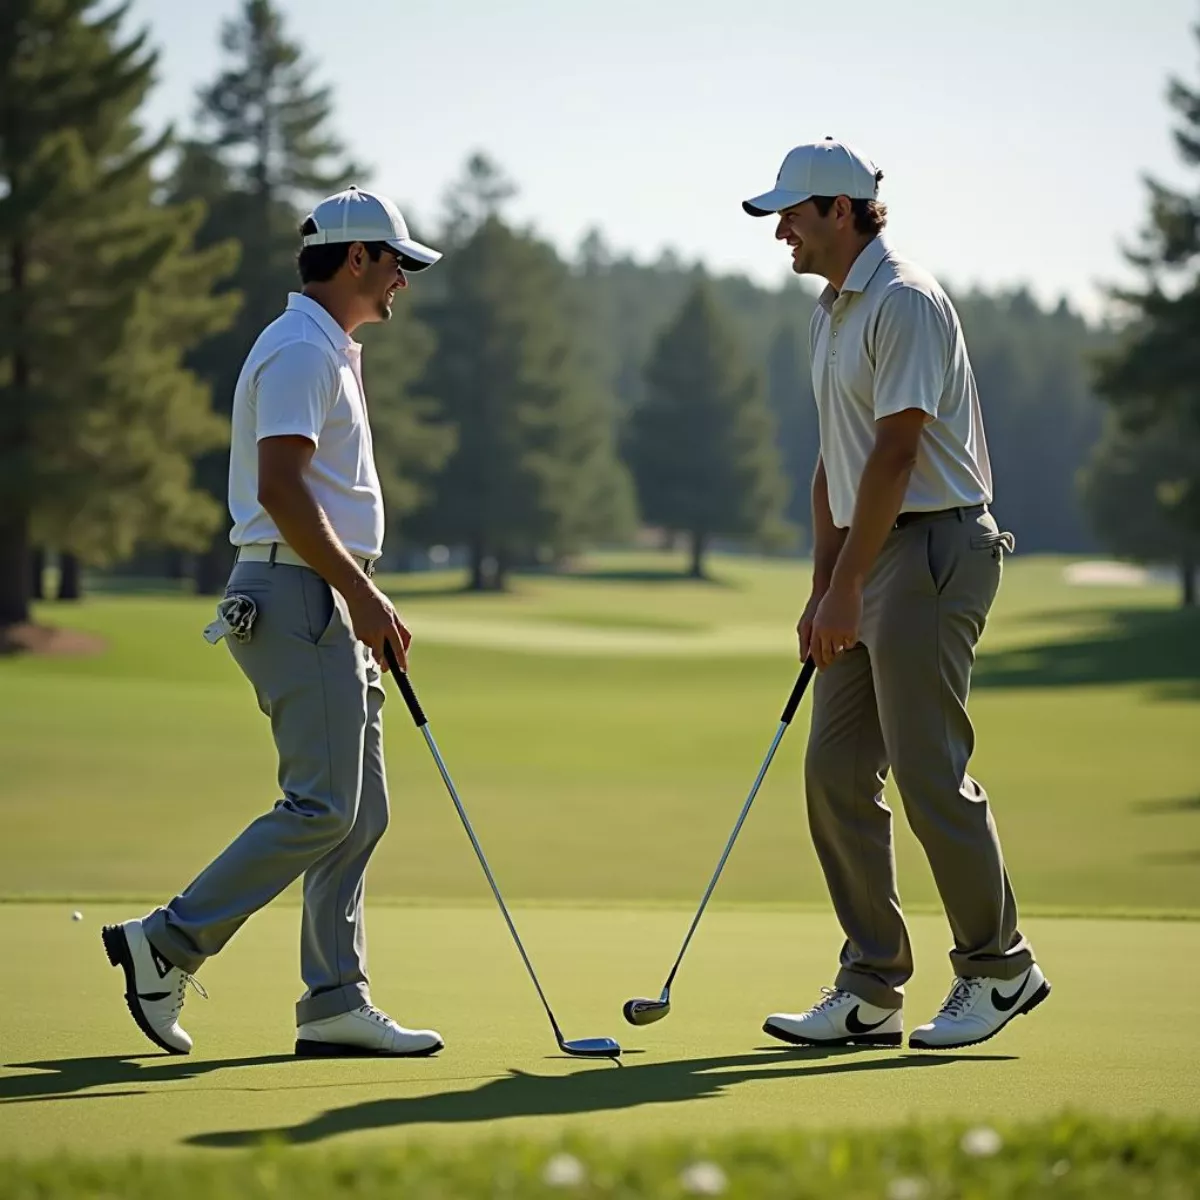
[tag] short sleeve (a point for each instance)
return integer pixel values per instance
(296, 391)
(912, 353)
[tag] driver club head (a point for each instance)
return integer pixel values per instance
(590, 1047)
(643, 1011)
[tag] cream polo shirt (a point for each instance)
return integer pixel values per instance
(303, 376)
(888, 341)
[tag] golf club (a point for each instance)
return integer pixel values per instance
(644, 1011)
(578, 1047)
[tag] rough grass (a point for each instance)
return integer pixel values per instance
(1072, 1157)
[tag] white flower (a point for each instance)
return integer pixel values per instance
(564, 1170)
(906, 1188)
(981, 1142)
(703, 1179)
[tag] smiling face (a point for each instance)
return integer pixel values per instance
(367, 285)
(378, 282)
(815, 240)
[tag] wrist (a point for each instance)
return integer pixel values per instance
(842, 580)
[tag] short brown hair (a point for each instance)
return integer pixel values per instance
(869, 215)
(318, 264)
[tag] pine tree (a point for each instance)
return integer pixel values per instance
(1152, 377)
(534, 467)
(85, 253)
(702, 444)
(265, 151)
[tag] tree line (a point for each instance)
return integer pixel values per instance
(525, 403)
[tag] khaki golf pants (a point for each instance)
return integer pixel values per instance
(897, 701)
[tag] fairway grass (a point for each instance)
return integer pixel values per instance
(603, 755)
(77, 1075)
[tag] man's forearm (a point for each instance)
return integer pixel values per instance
(880, 495)
(827, 537)
(302, 523)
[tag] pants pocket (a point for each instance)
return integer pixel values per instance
(320, 608)
(941, 555)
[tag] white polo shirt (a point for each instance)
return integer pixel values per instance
(888, 341)
(303, 376)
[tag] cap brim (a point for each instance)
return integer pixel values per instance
(773, 201)
(413, 255)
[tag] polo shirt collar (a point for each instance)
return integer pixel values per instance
(869, 260)
(338, 337)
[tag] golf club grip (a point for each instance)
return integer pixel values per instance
(798, 690)
(405, 686)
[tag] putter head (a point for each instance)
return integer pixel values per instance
(643, 1011)
(590, 1047)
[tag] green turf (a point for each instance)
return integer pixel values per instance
(604, 751)
(78, 1074)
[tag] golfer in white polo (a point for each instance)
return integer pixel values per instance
(907, 562)
(307, 626)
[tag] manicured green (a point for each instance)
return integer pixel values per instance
(78, 1075)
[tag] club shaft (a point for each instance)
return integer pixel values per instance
(712, 883)
(462, 813)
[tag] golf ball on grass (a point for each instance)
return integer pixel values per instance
(77, 915)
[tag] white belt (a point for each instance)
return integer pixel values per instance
(280, 552)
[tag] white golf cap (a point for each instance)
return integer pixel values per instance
(357, 216)
(827, 168)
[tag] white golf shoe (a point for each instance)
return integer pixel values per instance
(153, 987)
(839, 1019)
(978, 1008)
(364, 1031)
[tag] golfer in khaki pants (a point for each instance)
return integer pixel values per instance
(907, 562)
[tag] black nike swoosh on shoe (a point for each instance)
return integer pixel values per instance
(152, 995)
(854, 1025)
(1007, 1003)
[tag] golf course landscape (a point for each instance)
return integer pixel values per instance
(603, 727)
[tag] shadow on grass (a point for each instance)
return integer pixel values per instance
(519, 1094)
(1178, 804)
(66, 1078)
(1136, 646)
(1173, 858)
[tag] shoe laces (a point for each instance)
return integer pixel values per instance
(960, 997)
(832, 998)
(181, 987)
(369, 1010)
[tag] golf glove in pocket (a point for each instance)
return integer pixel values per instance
(235, 619)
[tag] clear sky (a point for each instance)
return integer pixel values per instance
(1012, 135)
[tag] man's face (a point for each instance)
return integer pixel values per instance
(810, 235)
(378, 281)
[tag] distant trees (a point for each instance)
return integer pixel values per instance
(702, 443)
(534, 465)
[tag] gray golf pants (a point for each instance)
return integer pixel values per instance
(323, 694)
(897, 701)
